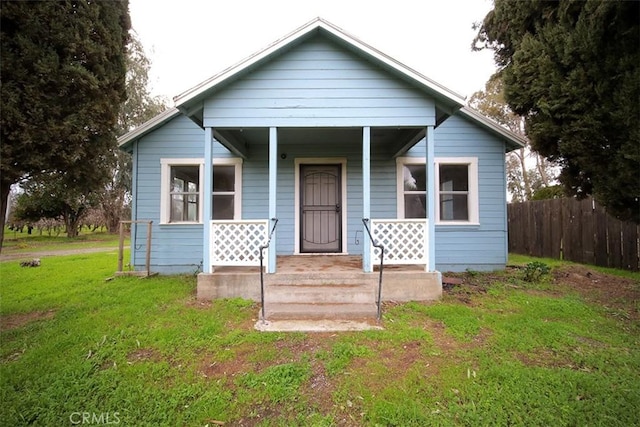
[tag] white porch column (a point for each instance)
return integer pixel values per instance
(366, 196)
(431, 198)
(207, 209)
(273, 181)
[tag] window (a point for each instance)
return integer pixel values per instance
(415, 191)
(185, 193)
(181, 198)
(224, 185)
(456, 190)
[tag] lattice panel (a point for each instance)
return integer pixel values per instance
(237, 243)
(404, 241)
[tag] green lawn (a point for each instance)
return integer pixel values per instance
(16, 242)
(494, 351)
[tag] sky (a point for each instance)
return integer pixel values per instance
(189, 41)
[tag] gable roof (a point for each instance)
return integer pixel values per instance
(448, 102)
(447, 97)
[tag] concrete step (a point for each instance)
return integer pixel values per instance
(317, 311)
(323, 294)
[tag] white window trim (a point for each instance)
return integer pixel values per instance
(165, 185)
(471, 162)
(473, 200)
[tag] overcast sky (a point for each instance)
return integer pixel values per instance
(188, 41)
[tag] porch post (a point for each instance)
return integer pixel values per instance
(366, 196)
(431, 199)
(207, 208)
(273, 181)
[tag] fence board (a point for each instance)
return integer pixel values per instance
(579, 231)
(556, 228)
(600, 236)
(630, 246)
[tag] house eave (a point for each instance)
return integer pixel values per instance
(513, 141)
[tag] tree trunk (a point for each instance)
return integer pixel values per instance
(525, 174)
(5, 190)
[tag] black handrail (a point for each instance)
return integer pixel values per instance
(375, 244)
(262, 248)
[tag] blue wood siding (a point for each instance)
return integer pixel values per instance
(175, 248)
(482, 247)
(318, 84)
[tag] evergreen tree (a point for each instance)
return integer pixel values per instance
(63, 79)
(572, 69)
(527, 171)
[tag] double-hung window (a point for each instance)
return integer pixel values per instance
(227, 184)
(182, 185)
(185, 193)
(456, 195)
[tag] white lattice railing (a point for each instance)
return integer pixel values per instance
(404, 240)
(237, 243)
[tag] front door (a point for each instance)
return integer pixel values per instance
(321, 212)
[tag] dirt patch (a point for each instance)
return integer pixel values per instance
(13, 321)
(238, 363)
(199, 304)
(143, 354)
(620, 294)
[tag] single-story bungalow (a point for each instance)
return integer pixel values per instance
(319, 146)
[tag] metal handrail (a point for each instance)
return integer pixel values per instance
(375, 244)
(262, 248)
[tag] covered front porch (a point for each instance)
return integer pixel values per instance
(325, 188)
(319, 245)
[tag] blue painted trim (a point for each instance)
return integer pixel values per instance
(207, 189)
(273, 199)
(431, 197)
(366, 195)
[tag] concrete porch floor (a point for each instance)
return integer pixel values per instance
(320, 263)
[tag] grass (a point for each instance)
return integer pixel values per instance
(500, 351)
(16, 243)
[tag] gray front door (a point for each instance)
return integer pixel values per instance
(321, 210)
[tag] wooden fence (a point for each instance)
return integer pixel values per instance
(574, 230)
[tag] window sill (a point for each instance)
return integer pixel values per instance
(457, 226)
(179, 223)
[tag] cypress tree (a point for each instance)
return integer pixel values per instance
(63, 80)
(572, 68)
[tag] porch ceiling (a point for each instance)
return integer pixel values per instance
(385, 140)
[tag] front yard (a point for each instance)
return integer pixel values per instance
(496, 350)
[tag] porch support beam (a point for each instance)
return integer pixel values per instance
(273, 181)
(207, 208)
(366, 196)
(236, 145)
(431, 198)
(406, 145)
